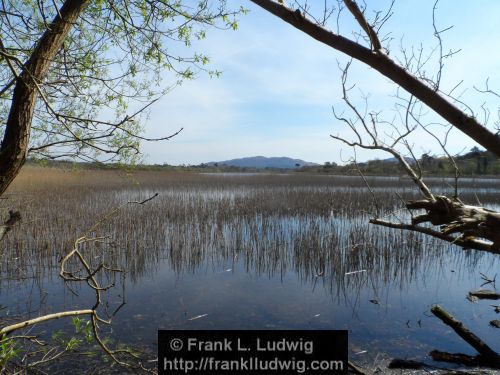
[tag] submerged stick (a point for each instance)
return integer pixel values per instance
(485, 294)
(353, 272)
(459, 358)
(465, 333)
(198, 317)
(44, 318)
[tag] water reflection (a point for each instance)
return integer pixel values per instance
(249, 252)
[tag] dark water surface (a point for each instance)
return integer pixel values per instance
(235, 252)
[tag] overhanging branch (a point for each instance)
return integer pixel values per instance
(389, 68)
(470, 243)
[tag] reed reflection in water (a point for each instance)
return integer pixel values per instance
(245, 251)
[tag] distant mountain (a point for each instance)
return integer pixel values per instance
(262, 162)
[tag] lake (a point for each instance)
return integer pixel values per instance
(236, 251)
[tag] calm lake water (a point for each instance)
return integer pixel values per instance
(251, 252)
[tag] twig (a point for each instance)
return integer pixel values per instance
(358, 14)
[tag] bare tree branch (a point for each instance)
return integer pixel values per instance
(389, 68)
(358, 14)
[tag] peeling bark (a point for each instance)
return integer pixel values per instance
(453, 216)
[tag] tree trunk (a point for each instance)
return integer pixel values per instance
(16, 137)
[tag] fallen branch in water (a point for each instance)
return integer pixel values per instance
(405, 364)
(13, 327)
(462, 359)
(454, 216)
(75, 267)
(485, 294)
(486, 357)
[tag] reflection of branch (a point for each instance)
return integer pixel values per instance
(14, 217)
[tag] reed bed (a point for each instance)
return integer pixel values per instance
(309, 224)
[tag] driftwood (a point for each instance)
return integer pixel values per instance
(495, 323)
(485, 294)
(458, 223)
(478, 227)
(456, 217)
(486, 357)
(8, 329)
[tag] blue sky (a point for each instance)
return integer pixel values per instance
(278, 86)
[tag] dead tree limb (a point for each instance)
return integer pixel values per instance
(462, 359)
(453, 216)
(486, 353)
(14, 327)
(380, 61)
(466, 243)
(473, 224)
(461, 224)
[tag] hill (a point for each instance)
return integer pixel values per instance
(262, 162)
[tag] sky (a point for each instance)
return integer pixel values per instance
(278, 86)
